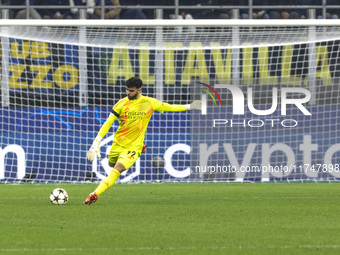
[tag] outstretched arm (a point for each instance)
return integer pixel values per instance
(102, 132)
(195, 105)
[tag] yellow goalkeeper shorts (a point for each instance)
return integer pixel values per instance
(127, 157)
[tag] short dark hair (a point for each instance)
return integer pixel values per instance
(134, 82)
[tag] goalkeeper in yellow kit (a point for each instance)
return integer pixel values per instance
(134, 113)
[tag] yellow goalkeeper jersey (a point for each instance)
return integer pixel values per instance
(134, 117)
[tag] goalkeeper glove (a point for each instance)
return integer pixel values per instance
(144, 148)
(195, 105)
(94, 149)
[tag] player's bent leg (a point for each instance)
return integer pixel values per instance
(111, 178)
(108, 181)
(125, 160)
(120, 167)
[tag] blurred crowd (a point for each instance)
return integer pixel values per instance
(117, 9)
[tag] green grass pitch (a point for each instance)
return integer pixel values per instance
(179, 218)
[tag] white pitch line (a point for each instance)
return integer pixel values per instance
(240, 247)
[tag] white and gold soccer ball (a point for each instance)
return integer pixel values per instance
(59, 196)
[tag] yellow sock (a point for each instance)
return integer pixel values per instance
(108, 181)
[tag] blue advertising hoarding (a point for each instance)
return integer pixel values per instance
(52, 144)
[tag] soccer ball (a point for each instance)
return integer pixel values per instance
(59, 196)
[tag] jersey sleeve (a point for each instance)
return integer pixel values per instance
(165, 107)
(115, 114)
(107, 125)
(117, 108)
